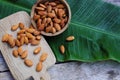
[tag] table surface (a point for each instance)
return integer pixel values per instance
(105, 70)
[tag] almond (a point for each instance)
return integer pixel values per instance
(22, 40)
(15, 53)
(21, 31)
(57, 26)
(39, 67)
(48, 29)
(20, 50)
(56, 20)
(42, 5)
(29, 35)
(48, 20)
(44, 21)
(61, 12)
(36, 17)
(30, 30)
(26, 40)
(70, 38)
(18, 37)
(21, 25)
(39, 22)
(5, 38)
(42, 13)
(51, 15)
(41, 27)
(36, 33)
(43, 57)
(62, 49)
(52, 4)
(24, 54)
(14, 27)
(53, 30)
(49, 8)
(37, 50)
(60, 6)
(11, 41)
(31, 27)
(28, 62)
(38, 37)
(17, 42)
(35, 42)
(40, 8)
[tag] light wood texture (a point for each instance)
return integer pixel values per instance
(16, 65)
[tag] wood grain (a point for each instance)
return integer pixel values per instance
(16, 65)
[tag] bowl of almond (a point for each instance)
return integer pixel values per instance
(51, 17)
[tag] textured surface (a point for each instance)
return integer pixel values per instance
(106, 70)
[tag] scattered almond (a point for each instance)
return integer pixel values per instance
(17, 42)
(34, 42)
(26, 40)
(70, 38)
(24, 54)
(62, 49)
(21, 25)
(14, 27)
(38, 37)
(43, 57)
(39, 67)
(11, 41)
(20, 50)
(5, 38)
(37, 50)
(15, 53)
(28, 62)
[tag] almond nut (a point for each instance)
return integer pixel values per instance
(40, 8)
(53, 30)
(26, 40)
(22, 40)
(14, 27)
(38, 37)
(48, 29)
(29, 35)
(39, 67)
(24, 54)
(51, 15)
(20, 50)
(42, 5)
(70, 38)
(36, 33)
(17, 42)
(21, 26)
(43, 57)
(30, 30)
(11, 41)
(15, 53)
(62, 49)
(5, 38)
(37, 50)
(28, 62)
(56, 20)
(57, 26)
(35, 42)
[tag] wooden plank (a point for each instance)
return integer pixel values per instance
(16, 66)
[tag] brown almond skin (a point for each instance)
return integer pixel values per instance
(48, 29)
(15, 53)
(14, 27)
(24, 54)
(38, 37)
(42, 5)
(21, 31)
(17, 43)
(60, 6)
(52, 4)
(53, 30)
(30, 30)
(39, 67)
(49, 8)
(5, 38)
(21, 25)
(20, 50)
(57, 26)
(36, 32)
(56, 20)
(62, 49)
(70, 38)
(11, 41)
(37, 50)
(40, 8)
(28, 62)
(43, 57)
(41, 27)
(26, 40)
(21, 40)
(51, 15)
(35, 42)
(29, 35)
(42, 13)
(48, 20)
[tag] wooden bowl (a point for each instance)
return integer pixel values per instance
(68, 11)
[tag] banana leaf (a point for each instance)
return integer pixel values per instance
(95, 25)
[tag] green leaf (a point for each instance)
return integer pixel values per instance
(95, 25)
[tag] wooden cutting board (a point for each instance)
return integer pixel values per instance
(16, 65)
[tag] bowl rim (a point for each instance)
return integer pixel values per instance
(63, 29)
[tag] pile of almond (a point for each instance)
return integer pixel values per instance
(50, 16)
(25, 36)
